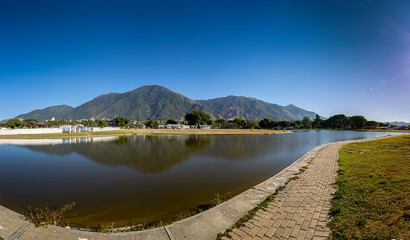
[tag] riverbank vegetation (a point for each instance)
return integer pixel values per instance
(196, 119)
(43, 217)
(129, 132)
(373, 198)
(46, 216)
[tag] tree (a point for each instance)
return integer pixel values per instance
(102, 124)
(13, 123)
(252, 124)
(317, 123)
(121, 121)
(51, 124)
(151, 124)
(337, 121)
(264, 123)
(357, 122)
(372, 124)
(63, 122)
(284, 124)
(298, 124)
(239, 122)
(383, 124)
(408, 128)
(197, 117)
(30, 123)
(306, 123)
(220, 123)
(90, 123)
(171, 121)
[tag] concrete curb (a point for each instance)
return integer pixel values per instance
(203, 226)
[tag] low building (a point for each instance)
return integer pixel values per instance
(177, 126)
(205, 126)
(112, 123)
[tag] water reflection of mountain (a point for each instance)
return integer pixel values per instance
(154, 154)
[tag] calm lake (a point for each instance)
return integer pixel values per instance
(137, 179)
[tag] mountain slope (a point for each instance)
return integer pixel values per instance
(252, 108)
(47, 113)
(399, 124)
(159, 103)
(144, 103)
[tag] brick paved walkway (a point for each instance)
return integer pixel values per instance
(300, 211)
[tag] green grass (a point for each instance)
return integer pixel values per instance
(373, 198)
(382, 130)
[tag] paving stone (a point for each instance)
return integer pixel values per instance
(262, 232)
(300, 211)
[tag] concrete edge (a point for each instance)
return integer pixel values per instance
(205, 225)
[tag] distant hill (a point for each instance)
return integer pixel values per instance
(399, 124)
(159, 103)
(252, 108)
(4, 121)
(144, 103)
(42, 115)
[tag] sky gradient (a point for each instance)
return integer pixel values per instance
(331, 57)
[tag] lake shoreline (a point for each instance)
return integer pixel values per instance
(151, 132)
(201, 226)
(131, 132)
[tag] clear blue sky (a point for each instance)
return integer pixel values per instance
(350, 57)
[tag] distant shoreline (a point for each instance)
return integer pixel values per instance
(130, 132)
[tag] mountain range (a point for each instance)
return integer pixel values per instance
(159, 103)
(399, 124)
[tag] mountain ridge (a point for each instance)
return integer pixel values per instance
(154, 102)
(58, 111)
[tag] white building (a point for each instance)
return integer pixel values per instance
(177, 126)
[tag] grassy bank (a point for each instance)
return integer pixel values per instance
(383, 130)
(373, 199)
(150, 131)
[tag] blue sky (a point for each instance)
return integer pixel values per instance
(331, 57)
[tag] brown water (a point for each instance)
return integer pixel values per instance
(137, 179)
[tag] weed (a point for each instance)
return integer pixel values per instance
(217, 200)
(294, 178)
(42, 217)
(108, 228)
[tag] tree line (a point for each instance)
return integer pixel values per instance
(198, 118)
(33, 123)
